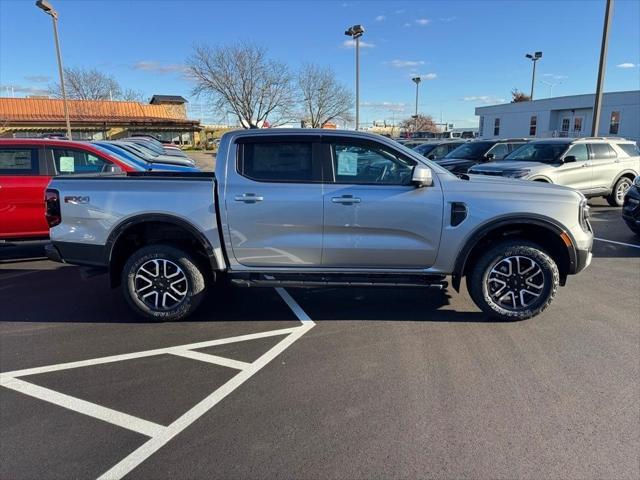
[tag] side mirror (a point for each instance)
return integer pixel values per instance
(490, 156)
(569, 159)
(431, 157)
(422, 176)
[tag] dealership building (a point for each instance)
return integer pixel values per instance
(164, 116)
(569, 116)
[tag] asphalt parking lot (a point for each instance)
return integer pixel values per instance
(333, 383)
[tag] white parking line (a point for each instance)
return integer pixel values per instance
(293, 305)
(120, 419)
(160, 435)
(617, 243)
(205, 357)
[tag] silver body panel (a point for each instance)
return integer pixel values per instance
(297, 227)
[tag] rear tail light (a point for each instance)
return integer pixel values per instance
(52, 207)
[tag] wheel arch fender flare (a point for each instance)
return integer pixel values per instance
(127, 223)
(628, 172)
(486, 229)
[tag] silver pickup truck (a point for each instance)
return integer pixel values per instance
(309, 208)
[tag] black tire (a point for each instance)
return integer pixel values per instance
(613, 198)
(483, 283)
(187, 286)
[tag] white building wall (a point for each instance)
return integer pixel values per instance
(515, 117)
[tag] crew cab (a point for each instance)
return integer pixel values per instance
(302, 208)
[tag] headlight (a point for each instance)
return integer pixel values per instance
(584, 213)
(516, 173)
(636, 182)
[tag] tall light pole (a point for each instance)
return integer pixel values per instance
(356, 32)
(534, 58)
(601, 66)
(416, 80)
(47, 8)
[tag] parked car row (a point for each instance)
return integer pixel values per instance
(27, 166)
(596, 166)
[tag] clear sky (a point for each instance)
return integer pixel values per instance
(469, 53)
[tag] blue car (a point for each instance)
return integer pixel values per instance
(131, 159)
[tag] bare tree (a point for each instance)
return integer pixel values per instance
(425, 123)
(240, 78)
(130, 95)
(323, 98)
(83, 84)
(517, 96)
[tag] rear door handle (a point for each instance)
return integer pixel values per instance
(346, 199)
(248, 198)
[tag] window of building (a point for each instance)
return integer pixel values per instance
(533, 123)
(564, 126)
(68, 161)
(278, 162)
(18, 161)
(577, 124)
(614, 123)
(363, 164)
(496, 127)
(481, 126)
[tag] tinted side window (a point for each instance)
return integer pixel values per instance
(369, 164)
(68, 161)
(499, 151)
(630, 149)
(439, 152)
(18, 161)
(278, 162)
(580, 152)
(602, 151)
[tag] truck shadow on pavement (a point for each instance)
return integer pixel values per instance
(57, 293)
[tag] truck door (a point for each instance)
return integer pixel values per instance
(374, 216)
(273, 201)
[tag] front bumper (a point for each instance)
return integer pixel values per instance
(583, 260)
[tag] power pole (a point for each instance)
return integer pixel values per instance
(601, 67)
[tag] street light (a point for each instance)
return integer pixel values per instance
(356, 32)
(550, 85)
(534, 58)
(416, 80)
(47, 8)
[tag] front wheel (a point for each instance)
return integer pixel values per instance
(162, 283)
(514, 280)
(616, 198)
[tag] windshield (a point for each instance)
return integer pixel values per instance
(471, 150)
(144, 150)
(149, 146)
(425, 148)
(538, 152)
(120, 154)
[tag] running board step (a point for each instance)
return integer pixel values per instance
(251, 279)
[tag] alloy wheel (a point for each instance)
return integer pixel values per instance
(160, 284)
(515, 282)
(621, 191)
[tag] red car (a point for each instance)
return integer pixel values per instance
(27, 165)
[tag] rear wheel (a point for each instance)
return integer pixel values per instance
(515, 280)
(162, 283)
(616, 197)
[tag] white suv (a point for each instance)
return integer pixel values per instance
(597, 166)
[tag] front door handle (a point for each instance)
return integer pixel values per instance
(248, 198)
(346, 199)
